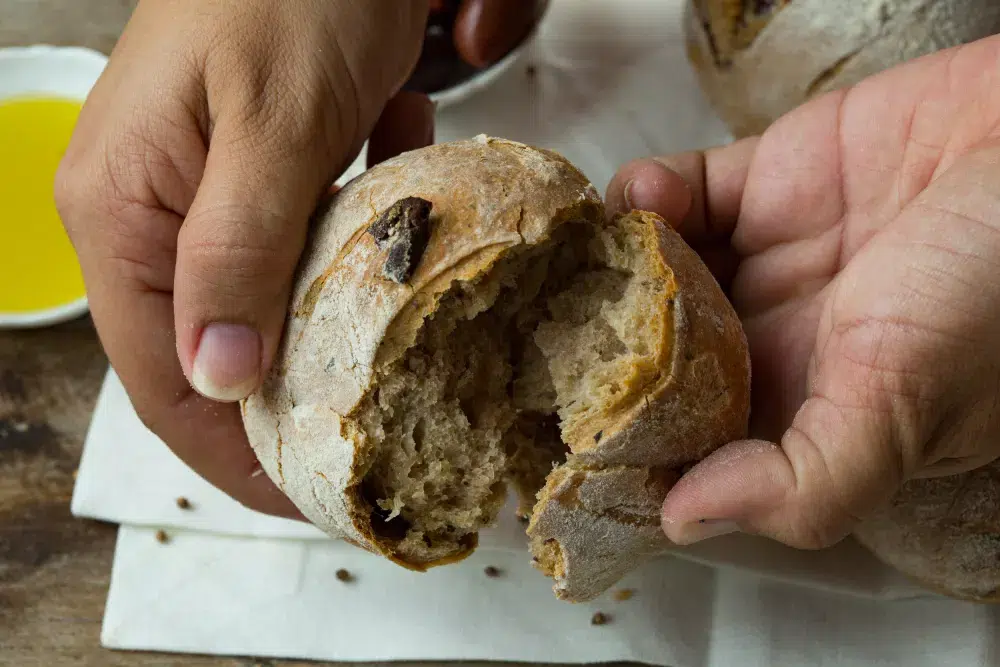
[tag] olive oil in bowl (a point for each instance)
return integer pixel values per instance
(39, 271)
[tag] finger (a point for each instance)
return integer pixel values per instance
(239, 245)
(251, 237)
(698, 192)
(649, 185)
(832, 466)
(406, 124)
(208, 436)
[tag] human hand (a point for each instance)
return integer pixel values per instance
(189, 183)
(859, 240)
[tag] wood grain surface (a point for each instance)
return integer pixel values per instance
(54, 569)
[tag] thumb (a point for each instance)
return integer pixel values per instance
(834, 464)
(241, 241)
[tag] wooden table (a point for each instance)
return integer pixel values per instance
(54, 569)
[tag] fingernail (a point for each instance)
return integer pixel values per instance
(628, 195)
(704, 530)
(227, 364)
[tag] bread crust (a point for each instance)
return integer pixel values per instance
(598, 516)
(755, 68)
(944, 533)
(489, 196)
(600, 510)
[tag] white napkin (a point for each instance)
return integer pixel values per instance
(127, 475)
(232, 582)
(611, 84)
(280, 598)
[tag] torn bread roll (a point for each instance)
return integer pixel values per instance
(756, 60)
(944, 533)
(464, 319)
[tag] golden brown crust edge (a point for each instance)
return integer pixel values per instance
(598, 516)
(489, 196)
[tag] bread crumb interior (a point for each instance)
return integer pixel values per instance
(509, 369)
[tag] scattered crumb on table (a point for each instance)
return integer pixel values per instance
(623, 594)
(599, 618)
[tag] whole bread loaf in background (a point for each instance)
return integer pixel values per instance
(466, 320)
(758, 59)
(943, 532)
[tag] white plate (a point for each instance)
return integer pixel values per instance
(66, 72)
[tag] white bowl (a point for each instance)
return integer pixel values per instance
(480, 80)
(66, 72)
(485, 78)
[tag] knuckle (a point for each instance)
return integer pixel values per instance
(97, 182)
(226, 269)
(73, 191)
(277, 103)
(241, 231)
(67, 187)
(821, 499)
(281, 123)
(221, 253)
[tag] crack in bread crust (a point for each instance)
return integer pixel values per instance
(700, 403)
(589, 313)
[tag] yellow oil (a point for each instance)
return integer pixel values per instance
(38, 267)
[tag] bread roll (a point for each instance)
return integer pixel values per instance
(757, 60)
(513, 335)
(944, 533)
